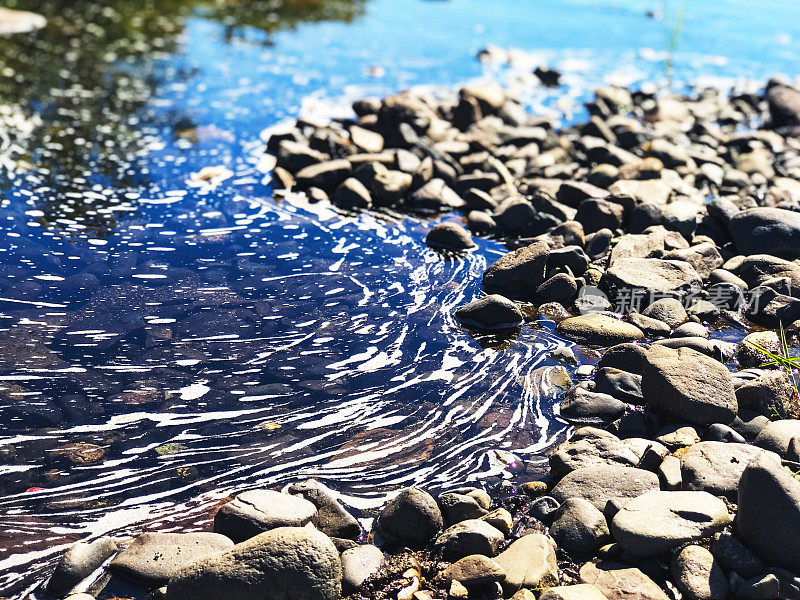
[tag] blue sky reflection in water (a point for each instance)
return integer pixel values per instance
(169, 338)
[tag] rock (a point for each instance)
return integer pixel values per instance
(287, 563)
(703, 257)
(667, 310)
(560, 288)
(544, 509)
(490, 96)
(749, 425)
(645, 276)
(761, 269)
(719, 350)
(568, 257)
(255, 511)
(778, 437)
(657, 521)
(691, 329)
(767, 587)
(703, 394)
(435, 196)
(518, 274)
(619, 384)
(651, 327)
(388, 187)
(579, 528)
(153, 559)
(331, 519)
(449, 236)
(716, 467)
(458, 507)
(529, 562)
(500, 519)
(600, 484)
(735, 556)
(358, 564)
(769, 511)
(469, 537)
(625, 357)
(599, 330)
(766, 230)
(669, 473)
(772, 394)
(490, 313)
(704, 310)
(698, 575)
(718, 432)
(588, 448)
(749, 356)
(412, 518)
(784, 105)
(620, 582)
(351, 193)
(327, 175)
(574, 193)
(581, 591)
(596, 214)
(475, 570)
(584, 407)
(677, 436)
(77, 563)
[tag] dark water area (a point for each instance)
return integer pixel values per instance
(171, 334)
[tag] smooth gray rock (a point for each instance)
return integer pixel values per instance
(476, 570)
(490, 313)
(529, 562)
(579, 528)
(766, 230)
(771, 394)
(591, 447)
(657, 521)
(358, 564)
(596, 329)
(77, 563)
(584, 407)
(698, 575)
(287, 563)
(651, 327)
(716, 467)
(777, 436)
(152, 559)
(649, 275)
(600, 484)
(619, 384)
(620, 582)
(472, 536)
(412, 518)
(332, 518)
(518, 274)
(702, 394)
(457, 507)
(667, 310)
(255, 511)
(769, 511)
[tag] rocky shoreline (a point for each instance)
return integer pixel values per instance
(641, 233)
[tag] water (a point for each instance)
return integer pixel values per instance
(169, 338)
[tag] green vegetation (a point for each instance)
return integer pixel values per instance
(783, 360)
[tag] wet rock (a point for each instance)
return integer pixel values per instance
(628, 357)
(331, 518)
(579, 528)
(619, 384)
(352, 194)
(457, 507)
(580, 591)
(529, 562)
(646, 275)
(584, 407)
(779, 437)
(358, 564)
(667, 310)
(602, 483)
(518, 274)
(735, 556)
(772, 394)
(719, 350)
(702, 395)
(286, 563)
(153, 559)
(469, 537)
(490, 313)
(327, 175)
(698, 575)
(599, 330)
(435, 196)
(657, 521)
(412, 518)
(255, 511)
(568, 257)
(560, 288)
(544, 509)
(769, 511)
(620, 582)
(449, 236)
(650, 326)
(591, 447)
(77, 563)
(716, 467)
(481, 223)
(475, 570)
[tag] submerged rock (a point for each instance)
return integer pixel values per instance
(596, 329)
(77, 563)
(449, 236)
(490, 313)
